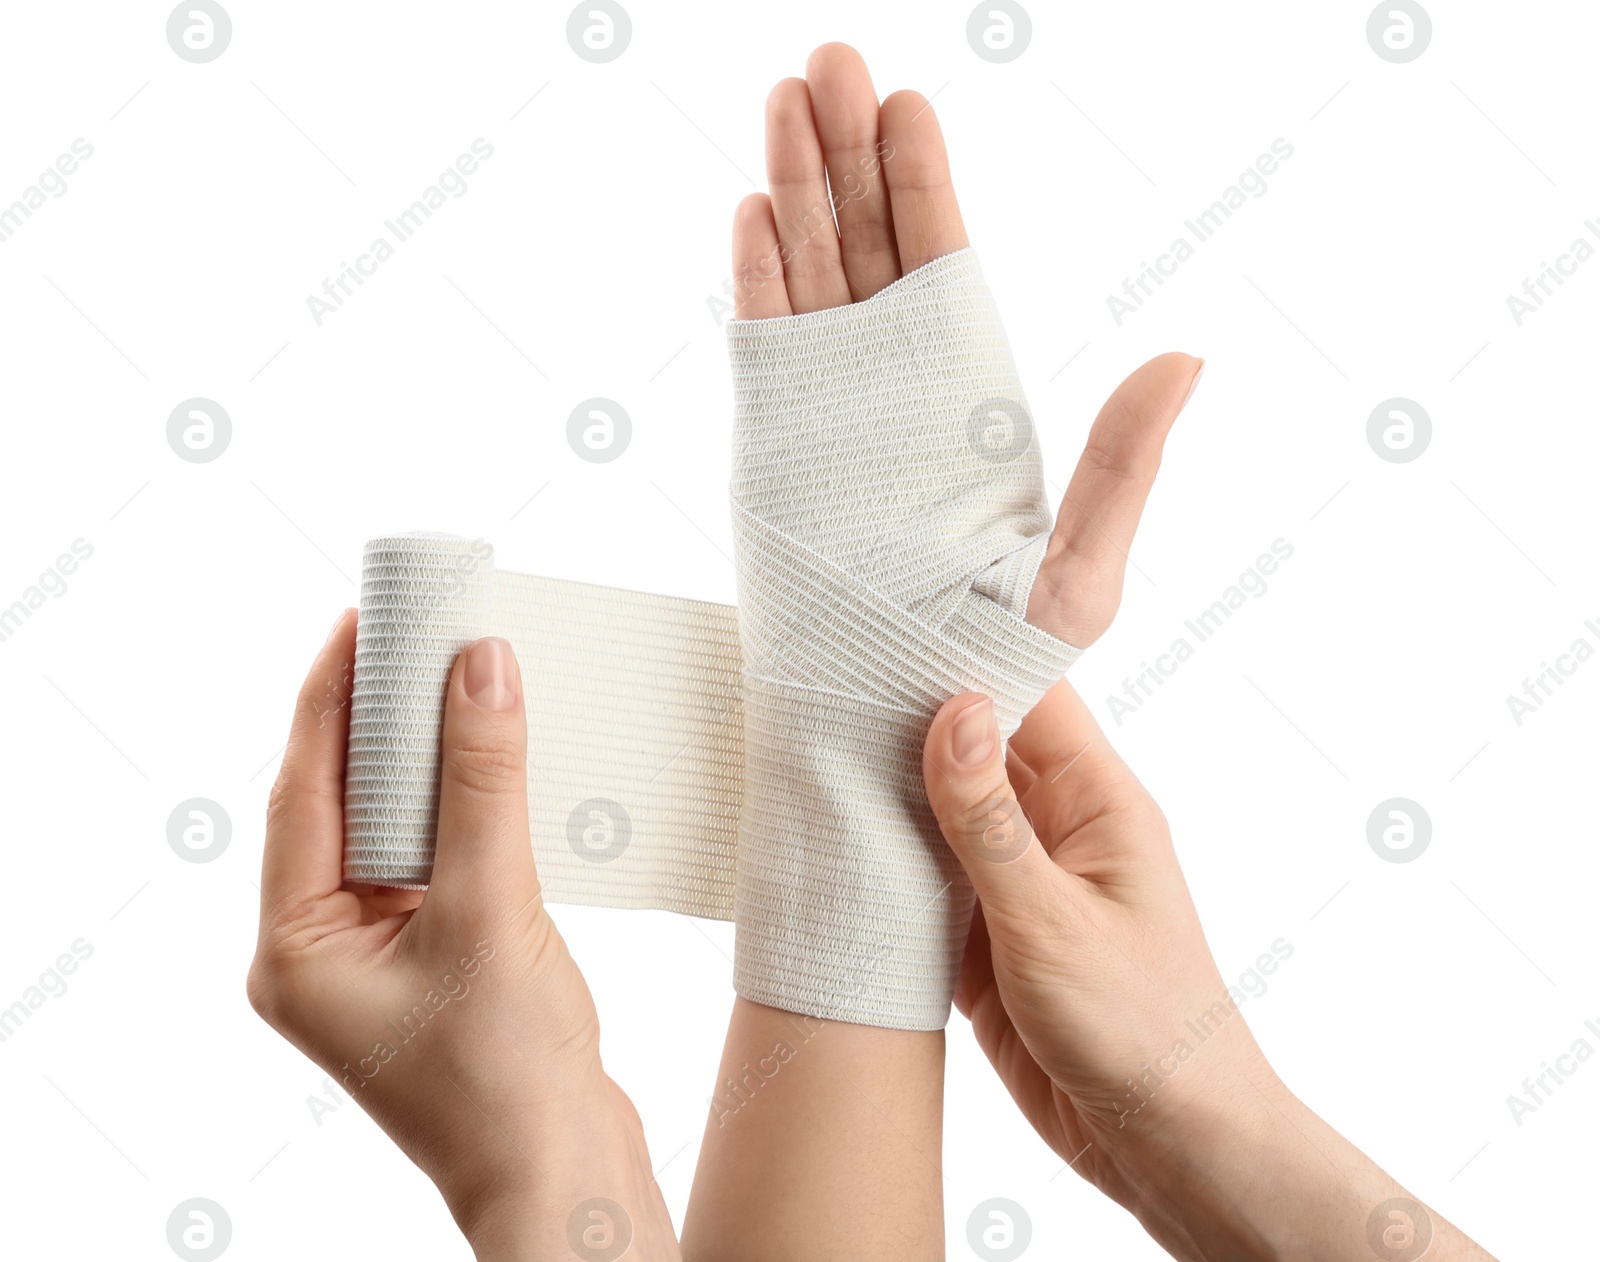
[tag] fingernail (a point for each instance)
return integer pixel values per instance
(974, 735)
(491, 677)
(1194, 384)
(337, 623)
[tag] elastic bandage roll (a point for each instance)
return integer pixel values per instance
(762, 765)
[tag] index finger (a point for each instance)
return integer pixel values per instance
(304, 854)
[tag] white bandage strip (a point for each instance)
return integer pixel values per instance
(889, 518)
(634, 748)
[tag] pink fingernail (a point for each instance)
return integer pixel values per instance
(973, 736)
(1194, 384)
(491, 674)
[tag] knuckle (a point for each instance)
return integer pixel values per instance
(278, 800)
(1112, 459)
(994, 826)
(487, 765)
(290, 797)
(981, 809)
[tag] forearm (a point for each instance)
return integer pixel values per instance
(823, 1142)
(1258, 1175)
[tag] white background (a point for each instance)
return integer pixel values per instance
(579, 263)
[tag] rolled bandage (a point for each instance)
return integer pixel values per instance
(763, 765)
(634, 737)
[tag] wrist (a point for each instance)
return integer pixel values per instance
(1208, 1153)
(1244, 1170)
(583, 1189)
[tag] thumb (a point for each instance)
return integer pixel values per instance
(963, 767)
(1079, 584)
(483, 859)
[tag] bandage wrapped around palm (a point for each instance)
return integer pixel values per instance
(889, 519)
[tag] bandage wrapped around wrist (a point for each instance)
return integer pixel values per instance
(889, 519)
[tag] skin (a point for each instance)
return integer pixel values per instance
(1085, 974)
(1085, 963)
(495, 1088)
(851, 1127)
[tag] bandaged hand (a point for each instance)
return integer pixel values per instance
(894, 546)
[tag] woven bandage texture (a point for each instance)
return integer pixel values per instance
(889, 519)
(634, 737)
(762, 764)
